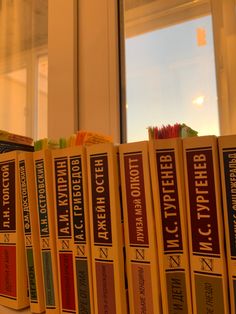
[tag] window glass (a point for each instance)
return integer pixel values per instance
(13, 98)
(21, 41)
(170, 77)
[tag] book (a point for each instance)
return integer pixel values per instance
(107, 242)
(140, 235)
(47, 228)
(15, 138)
(69, 180)
(168, 191)
(64, 232)
(10, 141)
(13, 279)
(227, 155)
(6, 146)
(81, 228)
(181, 130)
(205, 223)
(31, 231)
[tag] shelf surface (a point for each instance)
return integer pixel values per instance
(6, 310)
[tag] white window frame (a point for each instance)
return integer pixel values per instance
(62, 68)
(89, 89)
(163, 13)
(99, 67)
(224, 26)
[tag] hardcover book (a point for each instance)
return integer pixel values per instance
(106, 229)
(10, 141)
(13, 279)
(205, 222)
(168, 191)
(31, 232)
(47, 228)
(227, 153)
(140, 235)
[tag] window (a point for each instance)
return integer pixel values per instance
(38, 93)
(20, 43)
(170, 67)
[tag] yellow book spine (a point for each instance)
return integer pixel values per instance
(13, 279)
(168, 190)
(31, 231)
(106, 229)
(205, 222)
(227, 153)
(81, 232)
(47, 228)
(140, 237)
(64, 232)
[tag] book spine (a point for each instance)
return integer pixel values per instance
(31, 233)
(8, 230)
(42, 164)
(227, 152)
(141, 251)
(78, 193)
(13, 281)
(64, 235)
(209, 278)
(170, 215)
(102, 234)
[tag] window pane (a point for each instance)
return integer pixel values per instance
(13, 101)
(23, 37)
(170, 75)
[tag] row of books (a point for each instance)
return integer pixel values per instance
(145, 227)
